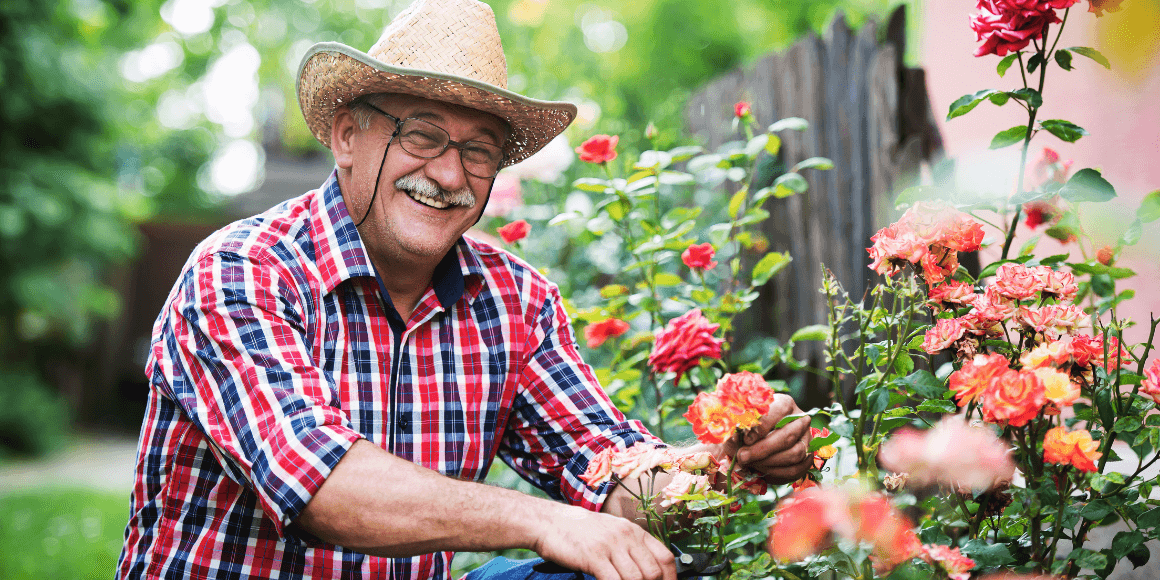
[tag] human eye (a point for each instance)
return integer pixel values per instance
(483, 153)
(423, 136)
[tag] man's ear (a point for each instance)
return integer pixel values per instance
(342, 134)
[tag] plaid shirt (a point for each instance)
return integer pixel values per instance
(278, 348)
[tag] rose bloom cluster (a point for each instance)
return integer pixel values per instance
(739, 402)
(953, 453)
(683, 342)
(1010, 25)
(809, 521)
(1036, 299)
(929, 236)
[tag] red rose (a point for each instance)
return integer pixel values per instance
(598, 332)
(1010, 25)
(598, 149)
(741, 109)
(699, 256)
(683, 341)
(514, 231)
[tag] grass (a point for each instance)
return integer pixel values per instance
(61, 533)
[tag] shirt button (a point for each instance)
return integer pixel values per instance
(404, 423)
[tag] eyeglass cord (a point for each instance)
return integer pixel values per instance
(375, 193)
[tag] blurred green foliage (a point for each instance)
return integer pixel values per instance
(61, 534)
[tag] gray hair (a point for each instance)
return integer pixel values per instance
(361, 113)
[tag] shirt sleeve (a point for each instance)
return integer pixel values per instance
(235, 358)
(561, 417)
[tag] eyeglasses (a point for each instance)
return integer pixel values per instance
(427, 140)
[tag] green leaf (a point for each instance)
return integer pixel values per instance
(1092, 54)
(736, 201)
(1149, 519)
(786, 420)
(938, 406)
(773, 145)
(1063, 59)
(788, 184)
(1065, 130)
(1034, 62)
(1028, 247)
(591, 184)
(878, 401)
(1006, 63)
(667, 279)
(1028, 95)
(771, 264)
(1085, 558)
(1095, 510)
(795, 123)
(1133, 233)
(966, 103)
(819, 442)
(812, 332)
(1149, 208)
(1009, 137)
(999, 99)
(912, 195)
(1087, 185)
(923, 384)
(821, 163)
(987, 555)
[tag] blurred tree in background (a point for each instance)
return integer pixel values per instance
(117, 112)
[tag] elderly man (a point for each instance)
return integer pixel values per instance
(331, 379)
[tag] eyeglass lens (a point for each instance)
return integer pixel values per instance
(423, 139)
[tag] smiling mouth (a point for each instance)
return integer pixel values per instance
(426, 192)
(427, 201)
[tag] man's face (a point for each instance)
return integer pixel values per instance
(405, 225)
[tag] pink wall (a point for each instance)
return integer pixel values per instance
(1120, 109)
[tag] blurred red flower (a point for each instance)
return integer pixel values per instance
(741, 109)
(598, 149)
(699, 256)
(514, 231)
(598, 332)
(1098, 7)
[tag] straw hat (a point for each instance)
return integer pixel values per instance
(443, 50)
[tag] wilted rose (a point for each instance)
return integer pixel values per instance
(598, 332)
(515, 231)
(699, 256)
(683, 341)
(598, 149)
(1075, 448)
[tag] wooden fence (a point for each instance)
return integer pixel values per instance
(869, 114)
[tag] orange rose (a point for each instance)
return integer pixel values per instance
(1151, 384)
(598, 149)
(1075, 448)
(747, 390)
(970, 381)
(1014, 398)
(713, 421)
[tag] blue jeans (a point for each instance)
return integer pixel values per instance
(507, 569)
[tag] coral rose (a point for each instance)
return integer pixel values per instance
(804, 522)
(713, 420)
(970, 381)
(699, 256)
(1106, 255)
(1075, 448)
(887, 530)
(746, 390)
(1088, 350)
(599, 468)
(950, 559)
(640, 459)
(1150, 386)
(683, 341)
(598, 149)
(1014, 398)
(598, 332)
(515, 231)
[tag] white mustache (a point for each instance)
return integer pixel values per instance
(425, 187)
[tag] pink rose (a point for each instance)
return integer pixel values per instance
(683, 341)
(1017, 281)
(950, 559)
(952, 453)
(699, 256)
(598, 149)
(1057, 283)
(683, 483)
(943, 335)
(1005, 27)
(994, 306)
(639, 459)
(599, 468)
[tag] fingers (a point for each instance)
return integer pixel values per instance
(609, 548)
(782, 455)
(782, 406)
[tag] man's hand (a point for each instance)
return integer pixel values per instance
(780, 455)
(606, 546)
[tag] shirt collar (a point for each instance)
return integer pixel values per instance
(341, 254)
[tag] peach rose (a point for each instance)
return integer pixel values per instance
(682, 484)
(599, 468)
(1014, 398)
(950, 559)
(943, 335)
(973, 379)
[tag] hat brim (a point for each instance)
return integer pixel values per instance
(332, 74)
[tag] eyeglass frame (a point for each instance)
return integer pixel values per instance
(450, 142)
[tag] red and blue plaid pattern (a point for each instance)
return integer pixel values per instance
(275, 352)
